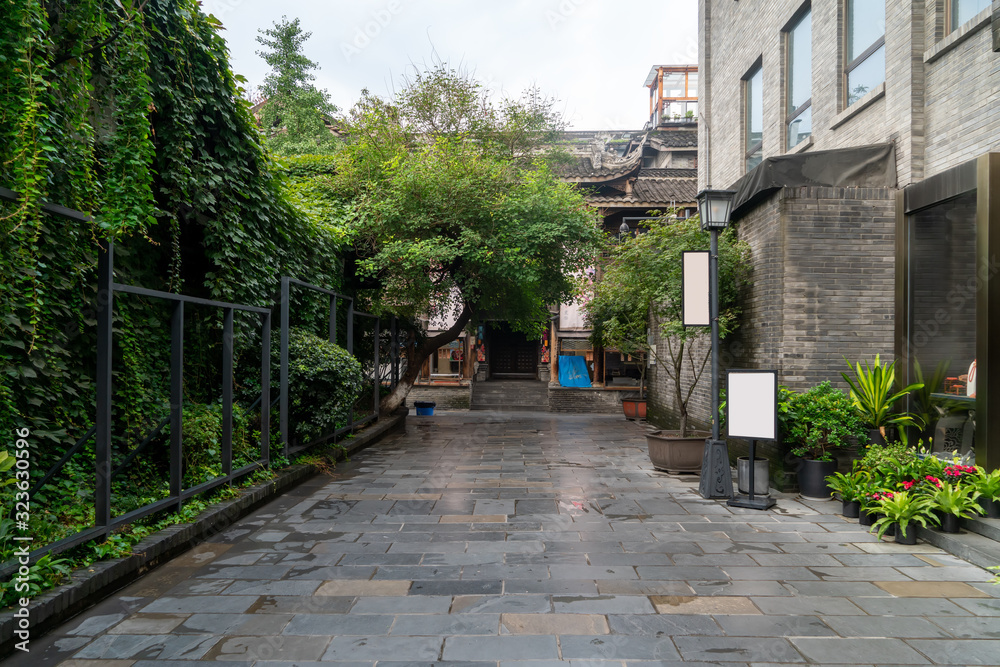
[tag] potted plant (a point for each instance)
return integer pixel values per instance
(902, 510)
(822, 420)
(641, 284)
(851, 488)
(873, 398)
(955, 502)
(988, 486)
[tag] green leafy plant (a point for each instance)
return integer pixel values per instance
(324, 382)
(873, 397)
(822, 419)
(850, 487)
(957, 499)
(902, 508)
(987, 484)
(642, 280)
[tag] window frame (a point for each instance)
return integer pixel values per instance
(857, 62)
(749, 151)
(793, 23)
(950, 24)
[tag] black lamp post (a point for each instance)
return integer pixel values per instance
(623, 230)
(714, 207)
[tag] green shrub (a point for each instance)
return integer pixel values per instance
(324, 382)
(820, 419)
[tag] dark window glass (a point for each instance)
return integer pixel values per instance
(754, 116)
(865, 66)
(942, 315)
(800, 80)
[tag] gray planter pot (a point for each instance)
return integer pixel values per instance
(671, 453)
(761, 480)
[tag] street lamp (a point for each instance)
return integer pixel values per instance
(716, 481)
(623, 230)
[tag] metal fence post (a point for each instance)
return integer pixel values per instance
(350, 350)
(227, 393)
(102, 444)
(333, 320)
(176, 401)
(265, 390)
(376, 372)
(283, 370)
(394, 353)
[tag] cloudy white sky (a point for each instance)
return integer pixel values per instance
(592, 55)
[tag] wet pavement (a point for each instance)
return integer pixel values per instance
(529, 540)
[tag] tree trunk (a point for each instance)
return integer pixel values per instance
(396, 397)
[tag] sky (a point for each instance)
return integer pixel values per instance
(592, 56)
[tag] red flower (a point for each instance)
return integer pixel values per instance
(908, 484)
(933, 480)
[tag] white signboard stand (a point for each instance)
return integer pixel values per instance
(752, 413)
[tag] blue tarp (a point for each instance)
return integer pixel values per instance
(573, 372)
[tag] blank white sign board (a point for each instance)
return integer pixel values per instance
(695, 283)
(751, 399)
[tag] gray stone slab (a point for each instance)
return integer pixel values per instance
(774, 626)
(503, 648)
(410, 604)
(383, 648)
(126, 647)
(870, 651)
(610, 647)
(979, 606)
(959, 651)
(891, 606)
(885, 626)
(810, 606)
(656, 625)
(433, 625)
(492, 604)
(602, 604)
(451, 587)
(738, 649)
(328, 625)
(231, 604)
(550, 586)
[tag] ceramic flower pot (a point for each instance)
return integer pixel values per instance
(910, 537)
(950, 523)
(634, 408)
(671, 453)
(852, 509)
(867, 518)
(812, 479)
(991, 508)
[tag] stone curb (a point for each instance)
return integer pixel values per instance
(88, 586)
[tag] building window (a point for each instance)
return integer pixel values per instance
(753, 94)
(799, 80)
(961, 11)
(865, 54)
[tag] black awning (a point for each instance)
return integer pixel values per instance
(860, 167)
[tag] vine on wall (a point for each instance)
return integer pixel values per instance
(128, 110)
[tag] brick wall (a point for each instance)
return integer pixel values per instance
(585, 400)
(939, 97)
(823, 288)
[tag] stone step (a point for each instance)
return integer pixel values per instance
(982, 526)
(511, 408)
(973, 547)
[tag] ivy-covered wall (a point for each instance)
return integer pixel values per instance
(128, 110)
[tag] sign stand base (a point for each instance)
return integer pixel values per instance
(749, 501)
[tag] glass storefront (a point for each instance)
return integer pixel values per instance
(942, 292)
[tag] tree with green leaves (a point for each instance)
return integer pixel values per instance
(294, 113)
(642, 284)
(457, 211)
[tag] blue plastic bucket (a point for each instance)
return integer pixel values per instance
(424, 408)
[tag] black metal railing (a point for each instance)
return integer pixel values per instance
(102, 431)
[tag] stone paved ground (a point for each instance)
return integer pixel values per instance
(530, 540)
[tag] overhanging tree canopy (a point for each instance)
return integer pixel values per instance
(457, 208)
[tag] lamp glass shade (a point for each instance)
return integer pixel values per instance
(624, 229)
(715, 206)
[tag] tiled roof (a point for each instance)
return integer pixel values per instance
(670, 173)
(654, 189)
(584, 169)
(674, 139)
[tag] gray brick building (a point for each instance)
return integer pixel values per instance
(862, 138)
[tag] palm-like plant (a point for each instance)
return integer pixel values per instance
(873, 397)
(957, 499)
